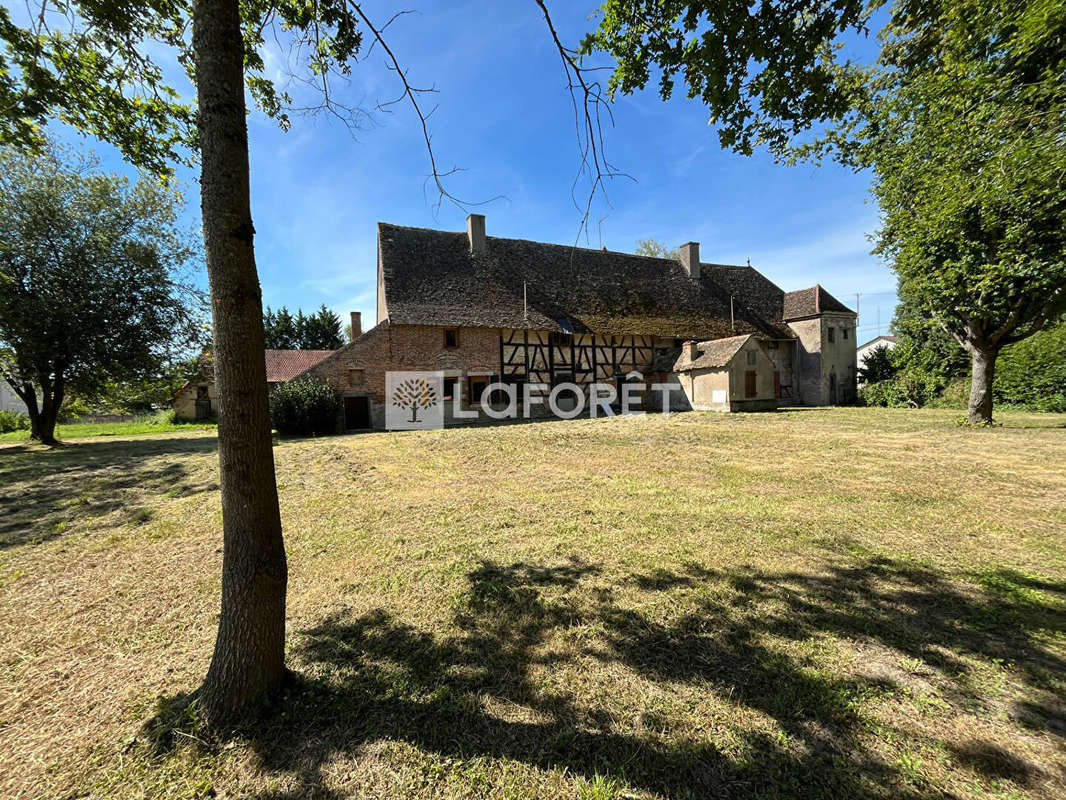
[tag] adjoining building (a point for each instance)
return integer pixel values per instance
(197, 400)
(480, 309)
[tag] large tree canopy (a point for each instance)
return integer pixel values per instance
(766, 70)
(966, 135)
(94, 280)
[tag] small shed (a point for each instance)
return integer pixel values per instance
(732, 374)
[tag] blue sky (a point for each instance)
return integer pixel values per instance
(503, 115)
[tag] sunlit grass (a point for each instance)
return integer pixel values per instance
(90, 429)
(836, 603)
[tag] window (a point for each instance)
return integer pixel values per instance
(753, 358)
(478, 384)
(451, 337)
(355, 376)
(560, 339)
(832, 333)
(750, 383)
(845, 332)
(449, 387)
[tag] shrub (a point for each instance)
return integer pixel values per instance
(1032, 373)
(164, 417)
(955, 395)
(13, 421)
(882, 393)
(304, 407)
(910, 388)
(74, 407)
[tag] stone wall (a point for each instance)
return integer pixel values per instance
(822, 361)
(839, 357)
(809, 378)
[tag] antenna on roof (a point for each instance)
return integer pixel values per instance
(525, 306)
(732, 320)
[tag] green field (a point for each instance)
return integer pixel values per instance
(842, 603)
(84, 430)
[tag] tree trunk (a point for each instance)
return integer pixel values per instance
(983, 372)
(248, 660)
(46, 421)
(33, 413)
(43, 420)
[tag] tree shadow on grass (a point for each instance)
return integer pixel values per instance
(41, 490)
(371, 678)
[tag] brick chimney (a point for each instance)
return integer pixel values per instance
(690, 259)
(357, 325)
(475, 232)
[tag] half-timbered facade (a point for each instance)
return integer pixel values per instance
(482, 309)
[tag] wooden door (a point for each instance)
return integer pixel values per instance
(356, 413)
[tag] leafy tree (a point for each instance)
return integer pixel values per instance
(279, 329)
(655, 249)
(91, 281)
(141, 395)
(92, 66)
(765, 70)
(323, 331)
(922, 345)
(965, 136)
(961, 120)
(318, 331)
(878, 366)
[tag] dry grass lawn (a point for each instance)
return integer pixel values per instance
(841, 603)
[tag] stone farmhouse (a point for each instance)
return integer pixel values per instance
(481, 309)
(197, 400)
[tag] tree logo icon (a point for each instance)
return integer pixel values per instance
(413, 395)
(415, 400)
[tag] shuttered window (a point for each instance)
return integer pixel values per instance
(750, 383)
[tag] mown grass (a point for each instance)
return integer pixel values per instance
(89, 429)
(820, 603)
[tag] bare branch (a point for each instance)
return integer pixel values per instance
(412, 93)
(588, 124)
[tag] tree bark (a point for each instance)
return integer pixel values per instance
(982, 374)
(30, 399)
(43, 418)
(46, 421)
(248, 660)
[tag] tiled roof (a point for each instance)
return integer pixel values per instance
(749, 288)
(710, 355)
(284, 365)
(352, 348)
(431, 278)
(811, 302)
